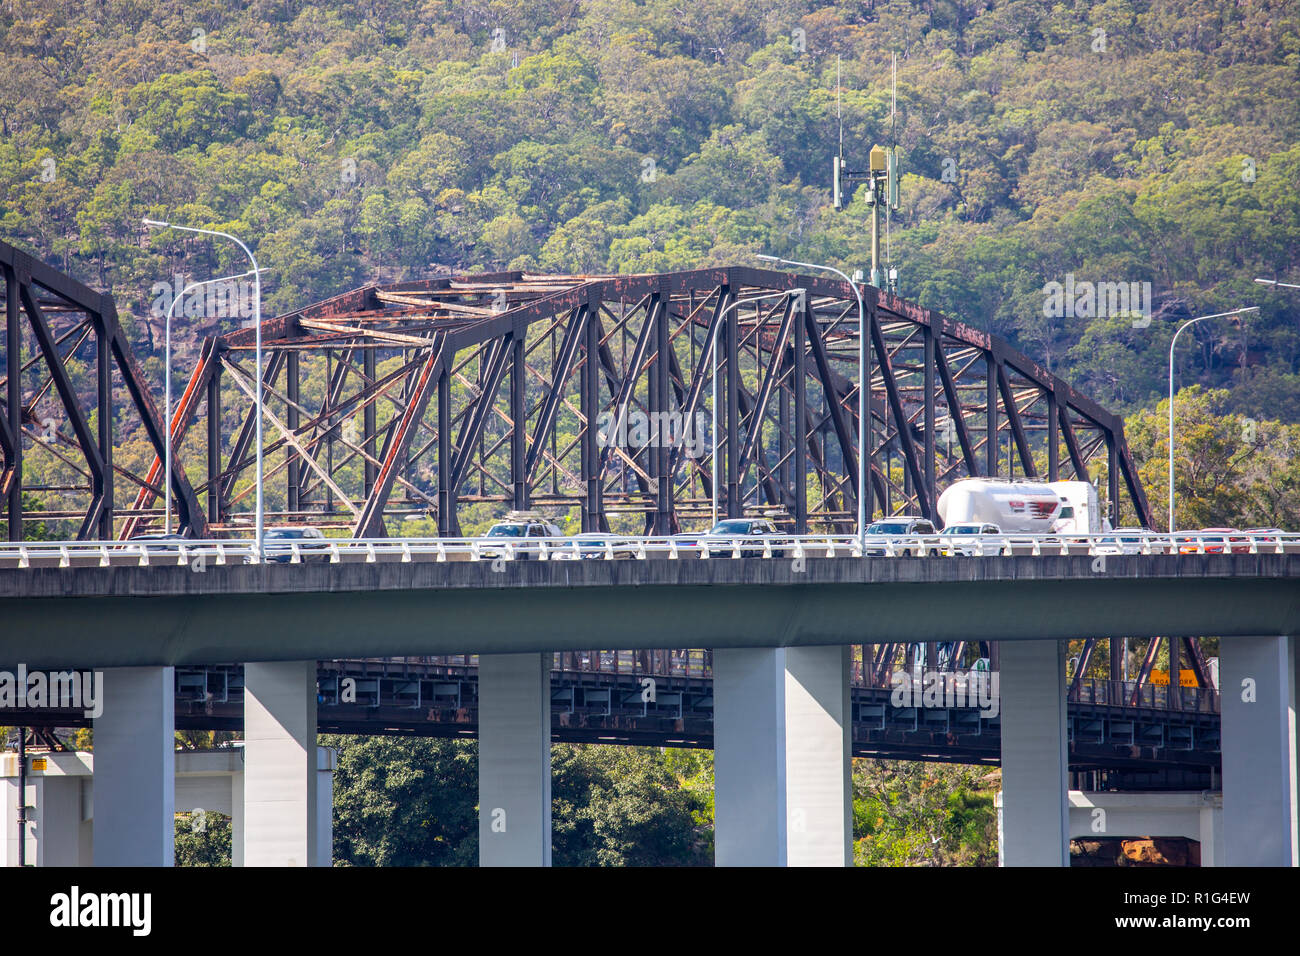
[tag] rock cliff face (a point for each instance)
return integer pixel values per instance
(1135, 852)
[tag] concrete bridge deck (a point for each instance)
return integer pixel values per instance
(161, 615)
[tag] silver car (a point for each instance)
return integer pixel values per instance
(880, 535)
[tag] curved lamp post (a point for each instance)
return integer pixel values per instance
(1274, 282)
(864, 394)
(257, 319)
(1172, 343)
(167, 392)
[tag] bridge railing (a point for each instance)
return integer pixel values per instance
(202, 555)
(1121, 693)
(698, 663)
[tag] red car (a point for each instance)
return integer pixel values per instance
(1214, 541)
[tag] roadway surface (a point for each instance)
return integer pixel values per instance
(86, 616)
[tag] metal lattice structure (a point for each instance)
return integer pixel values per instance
(584, 395)
(65, 362)
(591, 392)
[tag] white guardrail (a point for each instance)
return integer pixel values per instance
(200, 555)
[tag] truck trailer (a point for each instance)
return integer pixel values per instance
(1023, 506)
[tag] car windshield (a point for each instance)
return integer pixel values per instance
(730, 527)
(283, 534)
(888, 527)
(962, 529)
(506, 531)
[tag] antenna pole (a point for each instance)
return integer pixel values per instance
(839, 112)
(875, 237)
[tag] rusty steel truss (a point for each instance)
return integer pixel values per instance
(582, 396)
(590, 394)
(65, 362)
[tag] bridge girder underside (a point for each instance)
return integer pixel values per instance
(594, 396)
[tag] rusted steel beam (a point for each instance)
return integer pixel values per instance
(370, 524)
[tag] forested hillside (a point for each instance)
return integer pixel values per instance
(1118, 141)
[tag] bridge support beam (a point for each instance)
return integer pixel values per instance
(782, 757)
(281, 808)
(514, 759)
(135, 760)
(1033, 827)
(1191, 815)
(1257, 677)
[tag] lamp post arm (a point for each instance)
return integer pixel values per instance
(257, 319)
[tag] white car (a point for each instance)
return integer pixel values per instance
(1130, 541)
(519, 535)
(593, 546)
(966, 538)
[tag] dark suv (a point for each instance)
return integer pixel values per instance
(278, 545)
(722, 539)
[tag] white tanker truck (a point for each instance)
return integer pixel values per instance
(1024, 507)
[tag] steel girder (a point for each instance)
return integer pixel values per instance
(65, 363)
(592, 395)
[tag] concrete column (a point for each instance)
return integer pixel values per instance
(1034, 755)
(10, 800)
(58, 821)
(237, 819)
(326, 763)
(280, 805)
(782, 757)
(514, 759)
(1257, 676)
(1211, 831)
(135, 768)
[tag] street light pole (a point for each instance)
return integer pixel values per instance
(864, 395)
(1274, 282)
(257, 319)
(167, 393)
(1172, 343)
(714, 350)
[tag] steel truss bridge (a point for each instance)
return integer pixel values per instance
(1122, 733)
(567, 394)
(561, 393)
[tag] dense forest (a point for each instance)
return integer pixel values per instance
(413, 802)
(1150, 141)
(1118, 141)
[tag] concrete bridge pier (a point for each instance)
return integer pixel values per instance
(1188, 814)
(135, 743)
(514, 759)
(281, 794)
(782, 757)
(1035, 764)
(1257, 681)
